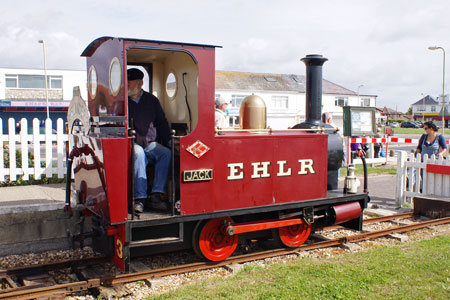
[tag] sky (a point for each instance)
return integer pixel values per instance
(382, 45)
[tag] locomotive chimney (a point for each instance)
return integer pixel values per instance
(314, 63)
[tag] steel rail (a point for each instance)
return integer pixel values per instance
(151, 274)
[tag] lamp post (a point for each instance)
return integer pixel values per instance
(45, 77)
(443, 84)
(423, 111)
(360, 86)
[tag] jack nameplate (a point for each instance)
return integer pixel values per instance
(197, 175)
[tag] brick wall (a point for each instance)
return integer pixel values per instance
(32, 94)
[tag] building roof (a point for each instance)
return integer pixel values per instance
(428, 101)
(226, 80)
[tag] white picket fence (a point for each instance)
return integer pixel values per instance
(52, 163)
(416, 178)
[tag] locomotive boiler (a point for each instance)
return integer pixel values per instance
(225, 185)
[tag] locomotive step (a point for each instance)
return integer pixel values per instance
(150, 242)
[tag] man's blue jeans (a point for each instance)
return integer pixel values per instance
(158, 156)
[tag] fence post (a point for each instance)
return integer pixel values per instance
(424, 173)
(12, 149)
(438, 191)
(399, 190)
(60, 147)
(24, 147)
(48, 148)
(430, 176)
(37, 149)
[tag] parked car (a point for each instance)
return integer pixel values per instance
(394, 125)
(409, 124)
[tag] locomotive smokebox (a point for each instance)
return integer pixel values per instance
(314, 63)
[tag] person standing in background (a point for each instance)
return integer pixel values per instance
(220, 117)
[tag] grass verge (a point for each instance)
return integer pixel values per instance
(371, 171)
(419, 270)
(419, 131)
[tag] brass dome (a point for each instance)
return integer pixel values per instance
(253, 113)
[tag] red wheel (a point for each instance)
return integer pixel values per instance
(196, 238)
(292, 236)
(213, 243)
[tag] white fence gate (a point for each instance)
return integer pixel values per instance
(416, 178)
(49, 144)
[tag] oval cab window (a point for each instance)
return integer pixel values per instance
(92, 81)
(115, 76)
(171, 85)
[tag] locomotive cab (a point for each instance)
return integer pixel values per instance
(171, 76)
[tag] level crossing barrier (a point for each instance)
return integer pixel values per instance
(429, 176)
(46, 148)
(384, 141)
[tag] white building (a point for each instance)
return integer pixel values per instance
(284, 95)
(29, 84)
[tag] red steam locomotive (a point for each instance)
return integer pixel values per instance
(225, 186)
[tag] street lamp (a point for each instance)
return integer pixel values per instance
(443, 84)
(45, 77)
(423, 111)
(360, 86)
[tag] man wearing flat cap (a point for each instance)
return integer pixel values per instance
(152, 135)
(220, 117)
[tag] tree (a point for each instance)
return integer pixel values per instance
(409, 112)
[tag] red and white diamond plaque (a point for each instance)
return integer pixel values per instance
(197, 149)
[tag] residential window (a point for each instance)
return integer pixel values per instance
(23, 81)
(55, 82)
(11, 81)
(281, 102)
(341, 101)
(421, 108)
(433, 108)
(236, 100)
(365, 101)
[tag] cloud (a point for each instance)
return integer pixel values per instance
(381, 44)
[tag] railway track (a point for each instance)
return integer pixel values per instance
(41, 291)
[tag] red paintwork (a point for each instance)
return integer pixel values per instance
(438, 169)
(346, 212)
(116, 156)
(246, 148)
(119, 247)
(260, 225)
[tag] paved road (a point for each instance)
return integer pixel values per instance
(381, 190)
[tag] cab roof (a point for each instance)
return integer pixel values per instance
(90, 49)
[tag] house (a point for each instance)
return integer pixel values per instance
(428, 109)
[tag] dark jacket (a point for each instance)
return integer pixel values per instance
(149, 120)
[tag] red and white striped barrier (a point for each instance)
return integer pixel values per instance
(387, 140)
